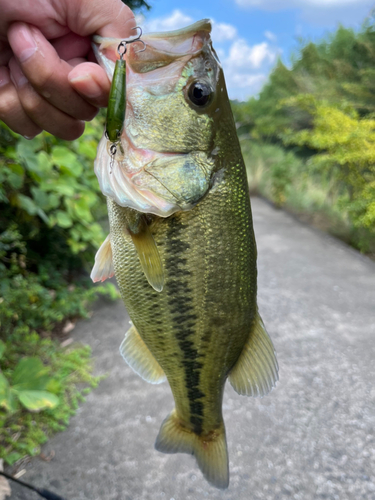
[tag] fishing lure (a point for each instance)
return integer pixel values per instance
(117, 98)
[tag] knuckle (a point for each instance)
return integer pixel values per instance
(31, 102)
(7, 106)
(43, 78)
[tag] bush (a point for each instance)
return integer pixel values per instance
(346, 153)
(50, 213)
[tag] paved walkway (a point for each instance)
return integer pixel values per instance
(312, 438)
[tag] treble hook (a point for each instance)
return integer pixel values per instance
(123, 43)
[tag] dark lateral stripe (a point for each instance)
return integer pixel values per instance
(183, 317)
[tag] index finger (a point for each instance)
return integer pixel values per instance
(46, 72)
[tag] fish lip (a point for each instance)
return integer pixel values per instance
(171, 45)
(202, 25)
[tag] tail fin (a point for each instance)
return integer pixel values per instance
(210, 451)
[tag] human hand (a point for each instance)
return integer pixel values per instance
(48, 77)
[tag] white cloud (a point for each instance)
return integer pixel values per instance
(242, 55)
(247, 81)
(326, 13)
(277, 5)
(174, 21)
(223, 31)
(271, 36)
(245, 66)
(177, 19)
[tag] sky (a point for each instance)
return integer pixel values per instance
(250, 35)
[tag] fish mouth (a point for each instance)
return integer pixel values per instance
(150, 181)
(162, 48)
(159, 181)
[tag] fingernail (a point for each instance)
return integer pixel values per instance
(18, 78)
(4, 77)
(25, 45)
(90, 88)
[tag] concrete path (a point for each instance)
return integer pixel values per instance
(311, 438)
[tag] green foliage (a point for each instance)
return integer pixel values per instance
(50, 229)
(347, 145)
(339, 68)
(270, 169)
(28, 385)
(322, 107)
(51, 218)
(46, 182)
(50, 208)
(60, 372)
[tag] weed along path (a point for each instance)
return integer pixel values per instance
(311, 438)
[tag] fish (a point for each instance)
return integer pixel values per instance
(181, 243)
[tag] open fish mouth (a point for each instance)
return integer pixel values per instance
(141, 179)
(161, 165)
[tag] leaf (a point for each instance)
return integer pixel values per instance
(27, 204)
(15, 174)
(40, 198)
(38, 400)
(30, 374)
(5, 397)
(2, 348)
(67, 161)
(13, 457)
(88, 149)
(44, 163)
(63, 219)
(82, 210)
(26, 151)
(60, 186)
(30, 207)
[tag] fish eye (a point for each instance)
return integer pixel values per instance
(200, 93)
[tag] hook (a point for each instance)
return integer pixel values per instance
(144, 46)
(138, 37)
(123, 43)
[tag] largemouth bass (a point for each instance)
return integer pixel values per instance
(181, 241)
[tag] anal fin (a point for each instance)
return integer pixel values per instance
(103, 267)
(210, 451)
(148, 254)
(139, 358)
(256, 370)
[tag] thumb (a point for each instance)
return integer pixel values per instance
(107, 18)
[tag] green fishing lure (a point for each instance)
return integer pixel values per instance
(117, 98)
(116, 109)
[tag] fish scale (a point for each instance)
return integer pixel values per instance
(190, 266)
(185, 256)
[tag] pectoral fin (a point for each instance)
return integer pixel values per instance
(256, 371)
(103, 267)
(139, 358)
(148, 254)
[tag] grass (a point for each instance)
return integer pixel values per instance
(23, 432)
